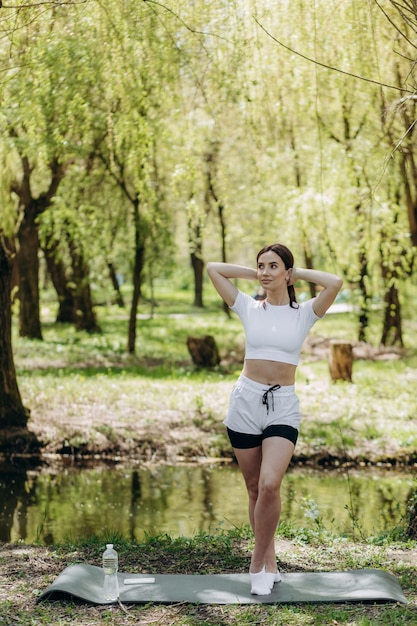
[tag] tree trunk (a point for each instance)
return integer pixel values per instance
(211, 195)
(84, 310)
(118, 298)
(196, 259)
(28, 271)
(27, 259)
(137, 278)
(363, 287)
(308, 261)
(412, 517)
(12, 411)
(341, 361)
(392, 328)
(137, 291)
(203, 351)
(56, 270)
(223, 231)
(391, 271)
(198, 268)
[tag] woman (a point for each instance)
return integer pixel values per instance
(263, 419)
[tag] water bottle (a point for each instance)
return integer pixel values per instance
(110, 567)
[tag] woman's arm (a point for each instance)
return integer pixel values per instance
(330, 282)
(220, 275)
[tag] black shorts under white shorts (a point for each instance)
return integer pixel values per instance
(257, 412)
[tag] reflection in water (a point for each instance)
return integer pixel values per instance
(12, 498)
(182, 500)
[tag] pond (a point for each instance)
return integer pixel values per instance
(49, 507)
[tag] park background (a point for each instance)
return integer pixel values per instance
(138, 141)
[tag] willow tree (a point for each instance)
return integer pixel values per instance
(402, 24)
(269, 152)
(12, 411)
(29, 178)
(399, 183)
(47, 117)
(363, 57)
(366, 128)
(402, 106)
(215, 165)
(32, 170)
(139, 68)
(346, 65)
(15, 436)
(348, 133)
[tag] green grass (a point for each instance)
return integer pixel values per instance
(163, 335)
(89, 375)
(32, 569)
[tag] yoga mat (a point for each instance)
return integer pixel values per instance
(85, 582)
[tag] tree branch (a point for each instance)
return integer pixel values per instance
(391, 21)
(329, 67)
(39, 4)
(179, 18)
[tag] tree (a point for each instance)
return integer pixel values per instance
(212, 197)
(30, 208)
(48, 130)
(14, 434)
(378, 232)
(200, 112)
(398, 118)
(138, 102)
(36, 121)
(57, 272)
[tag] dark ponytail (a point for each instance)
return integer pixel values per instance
(287, 257)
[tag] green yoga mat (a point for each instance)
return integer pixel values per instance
(85, 582)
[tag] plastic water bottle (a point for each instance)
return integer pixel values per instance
(110, 567)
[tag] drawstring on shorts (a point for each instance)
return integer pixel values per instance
(265, 397)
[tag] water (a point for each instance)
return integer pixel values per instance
(49, 507)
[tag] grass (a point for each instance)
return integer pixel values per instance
(88, 396)
(28, 570)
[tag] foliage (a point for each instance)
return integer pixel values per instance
(307, 119)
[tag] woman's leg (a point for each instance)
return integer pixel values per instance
(276, 456)
(263, 469)
(250, 460)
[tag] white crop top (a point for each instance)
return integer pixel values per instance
(274, 333)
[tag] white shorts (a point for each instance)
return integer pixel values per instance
(254, 407)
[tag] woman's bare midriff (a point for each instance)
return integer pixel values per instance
(269, 372)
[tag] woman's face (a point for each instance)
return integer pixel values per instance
(272, 272)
